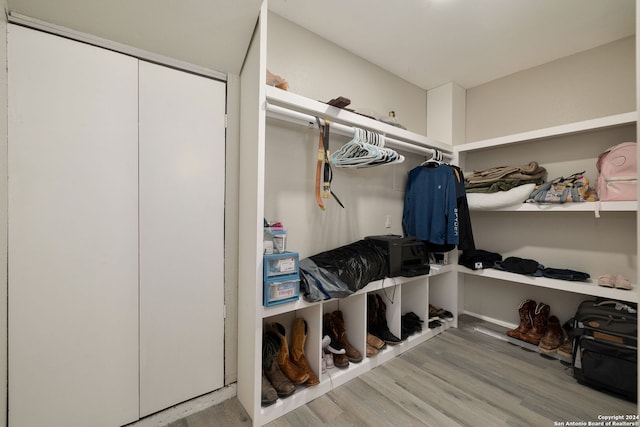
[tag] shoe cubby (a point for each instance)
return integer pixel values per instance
(354, 313)
(440, 296)
(400, 296)
(415, 299)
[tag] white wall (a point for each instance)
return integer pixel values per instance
(369, 195)
(3, 212)
(594, 83)
(321, 70)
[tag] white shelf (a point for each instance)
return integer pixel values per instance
(554, 131)
(371, 287)
(568, 207)
(306, 106)
(585, 288)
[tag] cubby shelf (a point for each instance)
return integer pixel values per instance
(371, 287)
(334, 377)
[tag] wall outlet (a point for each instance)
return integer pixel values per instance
(387, 221)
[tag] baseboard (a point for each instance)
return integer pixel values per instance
(492, 320)
(182, 410)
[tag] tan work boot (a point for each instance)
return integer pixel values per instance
(298, 338)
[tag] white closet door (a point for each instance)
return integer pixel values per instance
(73, 246)
(182, 163)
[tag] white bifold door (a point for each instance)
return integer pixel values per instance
(182, 161)
(116, 218)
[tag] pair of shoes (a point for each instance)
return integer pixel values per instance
(292, 360)
(343, 352)
(434, 324)
(618, 281)
(566, 349)
(533, 322)
(553, 338)
(377, 320)
(410, 324)
(327, 356)
(274, 382)
(374, 345)
(436, 313)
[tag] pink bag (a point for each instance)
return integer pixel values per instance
(618, 173)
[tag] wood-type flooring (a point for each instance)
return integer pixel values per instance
(461, 377)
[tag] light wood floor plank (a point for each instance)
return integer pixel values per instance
(459, 378)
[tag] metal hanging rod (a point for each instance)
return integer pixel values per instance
(309, 121)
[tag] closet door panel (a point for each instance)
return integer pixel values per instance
(182, 163)
(73, 247)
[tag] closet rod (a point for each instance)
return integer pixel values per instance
(309, 121)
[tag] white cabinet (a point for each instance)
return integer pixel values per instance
(561, 236)
(116, 219)
(73, 233)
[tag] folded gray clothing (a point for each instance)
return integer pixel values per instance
(500, 185)
(530, 171)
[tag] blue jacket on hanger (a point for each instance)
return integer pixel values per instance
(430, 205)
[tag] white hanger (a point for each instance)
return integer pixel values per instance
(366, 149)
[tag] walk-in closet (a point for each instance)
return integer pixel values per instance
(248, 213)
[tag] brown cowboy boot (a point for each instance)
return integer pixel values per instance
(540, 319)
(352, 353)
(293, 372)
(335, 346)
(298, 338)
(550, 342)
(525, 310)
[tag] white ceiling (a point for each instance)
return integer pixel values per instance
(214, 34)
(427, 42)
(470, 42)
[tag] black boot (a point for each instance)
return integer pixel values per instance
(379, 328)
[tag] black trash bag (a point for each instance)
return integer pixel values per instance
(356, 264)
(318, 284)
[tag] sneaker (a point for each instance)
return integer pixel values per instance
(327, 358)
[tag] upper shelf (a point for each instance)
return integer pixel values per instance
(404, 139)
(554, 131)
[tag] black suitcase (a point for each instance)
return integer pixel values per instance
(605, 346)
